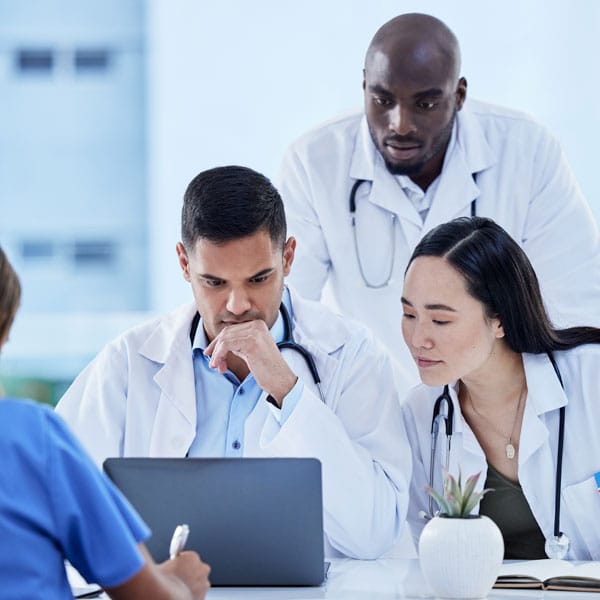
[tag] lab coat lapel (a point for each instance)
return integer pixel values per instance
(544, 394)
(388, 193)
(320, 335)
(538, 440)
(384, 191)
(470, 155)
(174, 426)
(453, 197)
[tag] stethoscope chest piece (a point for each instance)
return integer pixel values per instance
(557, 546)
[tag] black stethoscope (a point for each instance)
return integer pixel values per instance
(352, 207)
(288, 343)
(443, 410)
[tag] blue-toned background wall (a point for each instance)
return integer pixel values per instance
(110, 107)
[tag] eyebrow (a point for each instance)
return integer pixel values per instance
(259, 274)
(378, 89)
(262, 273)
(430, 306)
(430, 92)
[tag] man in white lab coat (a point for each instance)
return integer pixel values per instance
(209, 379)
(423, 155)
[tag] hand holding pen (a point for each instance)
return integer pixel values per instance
(178, 541)
(187, 566)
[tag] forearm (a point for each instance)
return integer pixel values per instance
(364, 492)
(185, 578)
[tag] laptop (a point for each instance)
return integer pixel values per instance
(255, 521)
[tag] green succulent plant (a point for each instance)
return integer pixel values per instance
(458, 501)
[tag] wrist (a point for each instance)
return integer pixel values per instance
(278, 392)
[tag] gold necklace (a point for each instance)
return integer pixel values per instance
(509, 448)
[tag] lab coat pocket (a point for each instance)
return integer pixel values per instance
(582, 503)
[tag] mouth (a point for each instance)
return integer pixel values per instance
(402, 150)
(424, 363)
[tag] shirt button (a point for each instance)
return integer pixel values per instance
(241, 391)
(236, 445)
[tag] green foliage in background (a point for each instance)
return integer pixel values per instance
(42, 390)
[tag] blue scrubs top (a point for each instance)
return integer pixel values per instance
(56, 505)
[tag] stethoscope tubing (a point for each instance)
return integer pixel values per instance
(289, 343)
(448, 418)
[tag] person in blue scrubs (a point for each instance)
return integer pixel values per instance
(55, 505)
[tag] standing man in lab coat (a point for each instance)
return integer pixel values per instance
(209, 380)
(420, 155)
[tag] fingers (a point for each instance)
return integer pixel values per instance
(245, 340)
(252, 343)
(193, 572)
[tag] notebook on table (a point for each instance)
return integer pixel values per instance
(255, 521)
(550, 574)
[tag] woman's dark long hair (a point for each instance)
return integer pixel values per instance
(10, 295)
(499, 275)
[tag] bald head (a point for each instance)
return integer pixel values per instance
(417, 41)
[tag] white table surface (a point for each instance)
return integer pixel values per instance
(383, 579)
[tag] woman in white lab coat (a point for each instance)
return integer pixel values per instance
(475, 322)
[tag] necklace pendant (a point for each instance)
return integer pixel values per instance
(510, 451)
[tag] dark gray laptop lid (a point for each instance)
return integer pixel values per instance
(256, 521)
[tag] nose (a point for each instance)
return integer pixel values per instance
(401, 121)
(238, 302)
(421, 336)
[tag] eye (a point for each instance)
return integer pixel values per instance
(408, 316)
(423, 105)
(259, 279)
(212, 282)
(381, 101)
(439, 322)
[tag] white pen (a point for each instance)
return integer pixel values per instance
(180, 536)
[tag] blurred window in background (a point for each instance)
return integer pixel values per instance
(34, 61)
(92, 60)
(72, 182)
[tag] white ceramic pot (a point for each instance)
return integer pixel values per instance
(461, 558)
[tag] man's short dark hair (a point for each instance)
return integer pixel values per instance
(229, 203)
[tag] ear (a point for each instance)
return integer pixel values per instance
(183, 261)
(498, 329)
(288, 255)
(364, 83)
(461, 93)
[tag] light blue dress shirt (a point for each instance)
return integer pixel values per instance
(223, 403)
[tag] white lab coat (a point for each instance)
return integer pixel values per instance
(580, 500)
(137, 398)
(522, 181)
